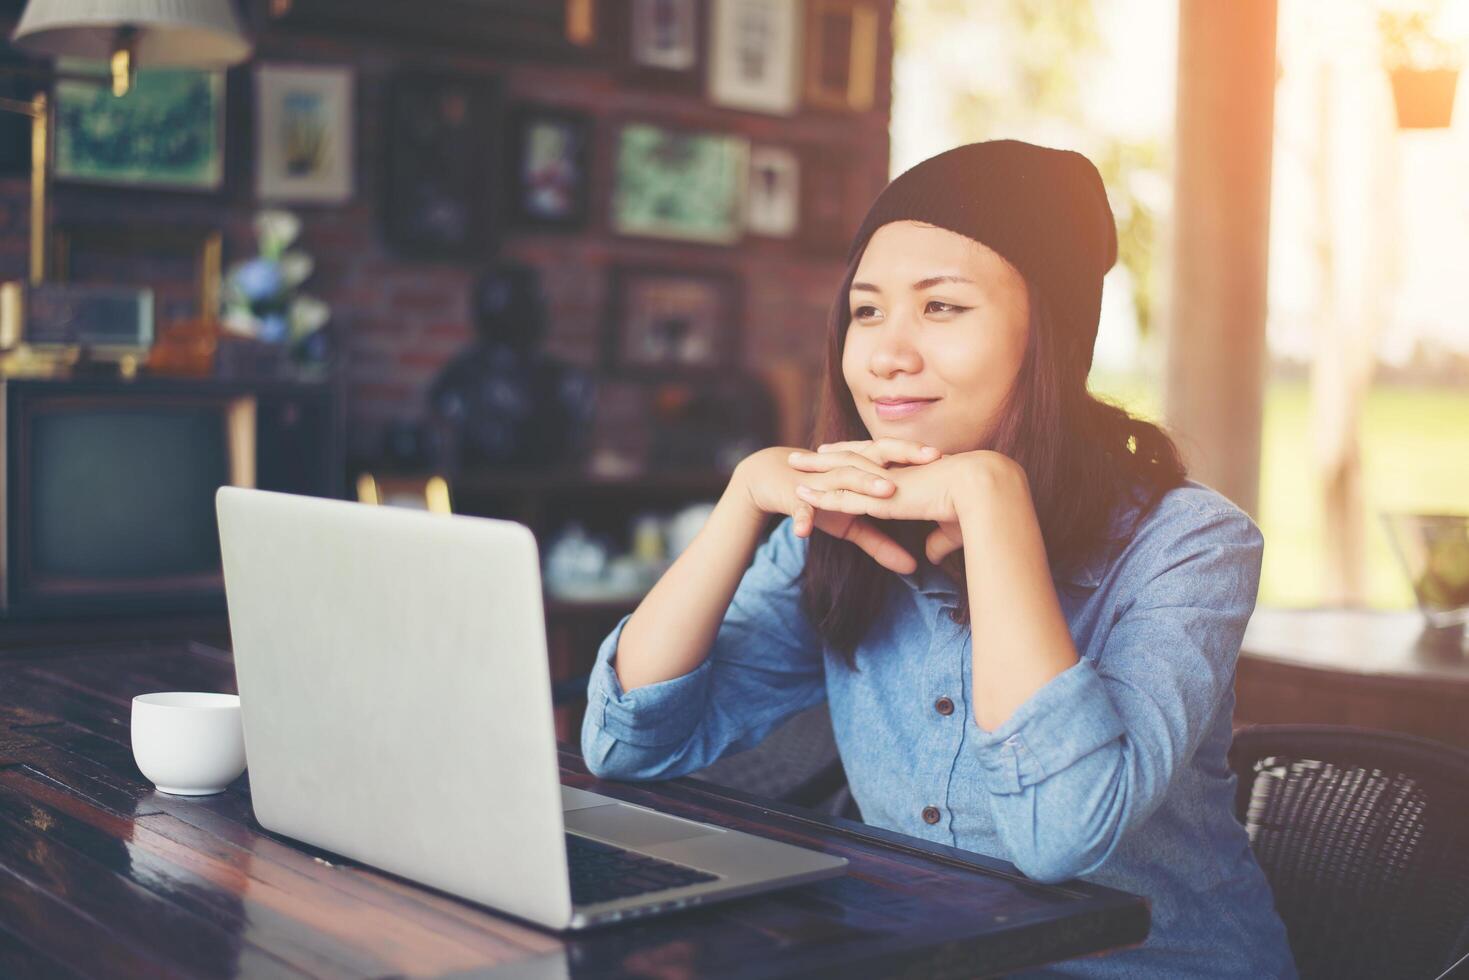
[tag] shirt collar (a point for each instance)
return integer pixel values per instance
(931, 581)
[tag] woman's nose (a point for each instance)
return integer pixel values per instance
(895, 351)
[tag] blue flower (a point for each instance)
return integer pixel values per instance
(273, 327)
(259, 279)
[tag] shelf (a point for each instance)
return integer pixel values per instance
(510, 480)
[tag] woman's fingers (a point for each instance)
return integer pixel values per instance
(942, 542)
(803, 519)
(861, 532)
(886, 450)
(849, 478)
(894, 450)
(825, 462)
(845, 500)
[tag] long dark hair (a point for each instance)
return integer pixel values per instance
(1084, 459)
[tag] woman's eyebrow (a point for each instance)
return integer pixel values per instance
(922, 284)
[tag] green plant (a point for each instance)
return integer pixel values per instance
(1412, 39)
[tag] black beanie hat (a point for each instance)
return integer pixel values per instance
(1044, 210)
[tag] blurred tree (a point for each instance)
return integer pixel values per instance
(1044, 48)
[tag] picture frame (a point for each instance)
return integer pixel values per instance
(661, 44)
(108, 320)
(840, 61)
(671, 322)
(773, 200)
(679, 184)
(440, 180)
(664, 34)
(754, 55)
(555, 30)
(830, 211)
(304, 133)
(95, 131)
(549, 167)
(183, 265)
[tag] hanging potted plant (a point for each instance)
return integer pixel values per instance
(1423, 66)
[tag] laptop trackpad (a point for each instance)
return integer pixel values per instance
(633, 827)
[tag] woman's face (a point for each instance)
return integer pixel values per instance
(935, 316)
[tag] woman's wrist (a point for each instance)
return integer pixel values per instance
(977, 499)
(737, 495)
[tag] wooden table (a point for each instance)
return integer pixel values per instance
(1354, 667)
(102, 876)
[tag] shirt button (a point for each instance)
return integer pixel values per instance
(930, 814)
(944, 706)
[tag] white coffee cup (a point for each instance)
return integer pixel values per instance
(188, 743)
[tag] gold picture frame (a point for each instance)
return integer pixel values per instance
(202, 249)
(840, 63)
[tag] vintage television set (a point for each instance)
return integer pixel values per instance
(107, 497)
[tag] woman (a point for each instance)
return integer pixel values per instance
(1023, 614)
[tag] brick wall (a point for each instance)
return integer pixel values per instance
(400, 319)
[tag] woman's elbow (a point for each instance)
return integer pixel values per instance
(1052, 852)
(594, 756)
(608, 757)
(1051, 865)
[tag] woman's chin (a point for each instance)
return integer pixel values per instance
(900, 429)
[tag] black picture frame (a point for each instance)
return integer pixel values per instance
(693, 302)
(440, 183)
(524, 207)
(181, 262)
(629, 34)
(125, 130)
(830, 210)
(519, 29)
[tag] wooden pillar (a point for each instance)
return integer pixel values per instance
(1214, 390)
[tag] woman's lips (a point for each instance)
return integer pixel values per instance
(901, 410)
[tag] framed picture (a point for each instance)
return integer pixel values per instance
(773, 202)
(753, 55)
(549, 168)
(841, 54)
(679, 184)
(665, 34)
(303, 133)
(167, 132)
(182, 265)
(830, 211)
(558, 30)
(440, 169)
(660, 44)
(67, 314)
(665, 321)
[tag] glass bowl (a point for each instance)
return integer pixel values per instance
(1433, 550)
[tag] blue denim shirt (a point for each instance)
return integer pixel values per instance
(1115, 771)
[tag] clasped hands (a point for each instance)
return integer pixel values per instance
(897, 479)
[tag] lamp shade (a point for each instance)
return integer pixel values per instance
(194, 33)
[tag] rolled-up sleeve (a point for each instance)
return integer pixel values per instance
(765, 665)
(1091, 754)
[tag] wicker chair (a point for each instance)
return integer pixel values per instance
(1364, 836)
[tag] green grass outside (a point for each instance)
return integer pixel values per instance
(1415, 453)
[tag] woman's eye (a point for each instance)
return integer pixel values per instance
(943, 307)
(864, 313)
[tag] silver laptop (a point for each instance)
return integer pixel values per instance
(396, 695)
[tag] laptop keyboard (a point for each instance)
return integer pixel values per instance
(601, 872)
